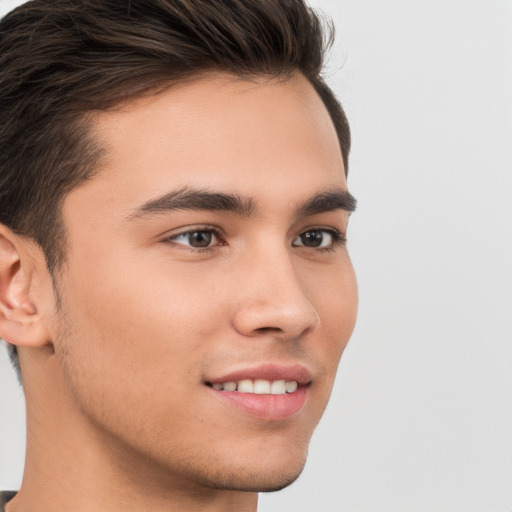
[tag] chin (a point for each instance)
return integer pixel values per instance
(264, 477)
(278, 482)
(256, 482)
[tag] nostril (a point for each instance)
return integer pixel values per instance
(268, 329)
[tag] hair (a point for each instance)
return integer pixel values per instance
(60, 59)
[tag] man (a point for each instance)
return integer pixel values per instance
(173, 269)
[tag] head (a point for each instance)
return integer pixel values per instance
(173, 207)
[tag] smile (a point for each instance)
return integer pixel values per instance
(269, 392)
(258, 386)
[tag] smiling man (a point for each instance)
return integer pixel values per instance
(173, 270)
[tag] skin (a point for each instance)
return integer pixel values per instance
(118, 413)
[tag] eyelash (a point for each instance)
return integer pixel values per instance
(337, 239)
(199, 229)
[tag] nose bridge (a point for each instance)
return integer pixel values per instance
(272, 298)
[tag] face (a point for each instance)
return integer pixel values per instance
(208, 294)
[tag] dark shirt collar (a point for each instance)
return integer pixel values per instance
(5, 496)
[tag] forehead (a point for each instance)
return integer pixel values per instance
(221, 133)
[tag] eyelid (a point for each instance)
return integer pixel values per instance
(338, 238)
(217, 233)
(191, 228)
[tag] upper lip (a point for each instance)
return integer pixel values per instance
(267, 371)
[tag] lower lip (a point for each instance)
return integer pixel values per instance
(266, 407)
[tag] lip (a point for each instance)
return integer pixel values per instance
(267, 371)
(265, 407)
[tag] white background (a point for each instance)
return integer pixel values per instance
(421, 416)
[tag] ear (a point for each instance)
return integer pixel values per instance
(20, 322)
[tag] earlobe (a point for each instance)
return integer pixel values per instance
(20, 323)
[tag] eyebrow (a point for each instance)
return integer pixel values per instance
(193, 199)
(199, 199)
(328, 201)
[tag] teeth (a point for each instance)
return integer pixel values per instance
(262, 387)
(291, 386)
(246, 386)
(229, 386)
(278, 387)
(258, 386)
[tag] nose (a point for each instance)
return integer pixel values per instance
(271, 299)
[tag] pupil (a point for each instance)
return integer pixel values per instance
(200, 239)
(312, 238)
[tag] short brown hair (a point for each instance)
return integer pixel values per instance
(60, 59)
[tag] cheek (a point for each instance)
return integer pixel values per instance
(132, 331)
(334, 295)
(336, 301)
(131, 351)
(132, 296)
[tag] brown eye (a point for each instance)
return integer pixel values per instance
(312, 238)
(199, 239)
(318, 239)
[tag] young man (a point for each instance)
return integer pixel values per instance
(173, 271)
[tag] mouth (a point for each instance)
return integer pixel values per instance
(268, 392)
(257, 386)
